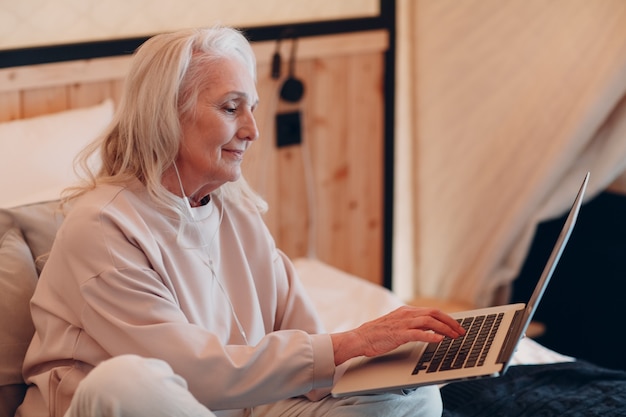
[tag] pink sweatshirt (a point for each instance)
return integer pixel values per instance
(125, 276)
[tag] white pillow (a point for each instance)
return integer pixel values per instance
(37, 154)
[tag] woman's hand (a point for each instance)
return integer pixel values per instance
(405, 324)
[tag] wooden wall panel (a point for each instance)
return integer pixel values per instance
(10, 108)
(341, 156)
(90, 93)
(365, 193)
(44, 100)
(346, 133)
(329, 145)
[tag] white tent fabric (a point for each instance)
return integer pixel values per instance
(502, 107)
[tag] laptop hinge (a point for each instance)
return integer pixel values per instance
(507, 347)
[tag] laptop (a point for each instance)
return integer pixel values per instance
(492, 336)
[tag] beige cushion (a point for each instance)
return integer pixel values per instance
(18, 278)
(26, 234)
(39, 224)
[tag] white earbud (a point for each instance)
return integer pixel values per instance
(182, 190)
(188, 205)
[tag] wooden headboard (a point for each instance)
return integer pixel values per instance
(333, 181)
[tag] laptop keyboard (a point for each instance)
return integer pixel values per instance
(467, 351)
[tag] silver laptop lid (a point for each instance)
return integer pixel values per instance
(548, 271)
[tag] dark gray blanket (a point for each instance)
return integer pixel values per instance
(566, 389)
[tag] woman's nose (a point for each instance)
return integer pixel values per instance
(249, 130)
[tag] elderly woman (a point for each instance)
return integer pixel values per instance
(164, 293)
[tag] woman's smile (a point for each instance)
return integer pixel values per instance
(235, 153)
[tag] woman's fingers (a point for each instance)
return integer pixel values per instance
(408, 324)
(438, 324)
(405, 324)
(428, 319)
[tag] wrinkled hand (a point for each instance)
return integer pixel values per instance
(405, 324)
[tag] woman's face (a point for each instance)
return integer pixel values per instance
(215, 138)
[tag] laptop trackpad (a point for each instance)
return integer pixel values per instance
(391, 363)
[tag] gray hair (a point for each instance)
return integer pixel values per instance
(161, 88)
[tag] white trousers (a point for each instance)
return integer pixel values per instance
(131, 386)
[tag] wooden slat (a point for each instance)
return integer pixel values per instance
(89, 94)
(329, 157)
(327, 46)
(365, 191)
(44, 101)
(10, 106)
(63, 73)
(99, 69)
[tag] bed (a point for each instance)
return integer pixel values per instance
(36, 163)
(541, 382)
